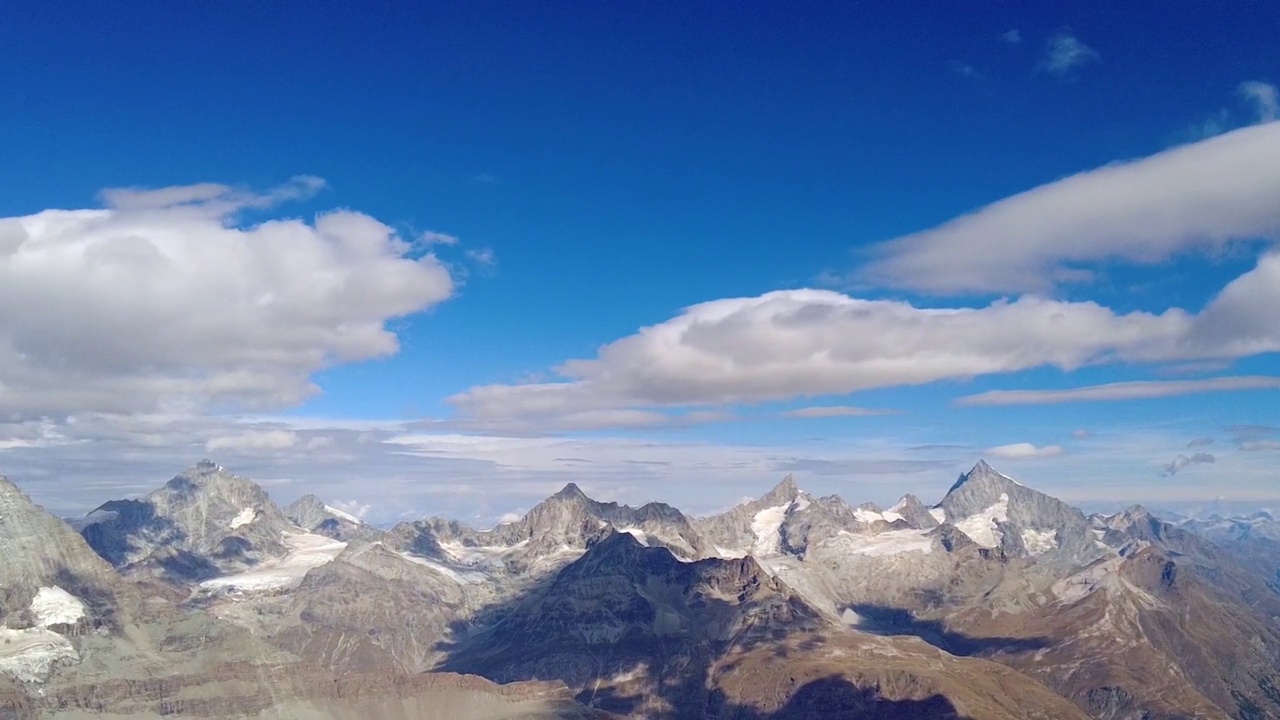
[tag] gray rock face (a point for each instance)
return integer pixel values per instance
(914, 513)
(732, 530)
(38, 551)
(1024, 522)
(202, 523)
(566, 523)
(632, 615)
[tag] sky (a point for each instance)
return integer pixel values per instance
(442, 258)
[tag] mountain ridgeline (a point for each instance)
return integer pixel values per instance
(206, 599)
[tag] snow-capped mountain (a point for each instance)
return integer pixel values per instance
(646, 612)
(312, 514)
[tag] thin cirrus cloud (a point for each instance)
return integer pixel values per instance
(1265, 98)
(1141, 390)
(1065, 53)
(161, 301)
(1199, 196)
(1024, 451)
(830, 411)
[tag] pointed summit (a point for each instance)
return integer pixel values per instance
(570, 492)
(782, 493)
(981, 473)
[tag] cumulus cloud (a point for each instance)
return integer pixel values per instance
(162, 301)
(1024, 451)
(807, 343)
(1140, 390)
(1065, 53)
(1264, 97)
(1182, 461)
(1198, 196)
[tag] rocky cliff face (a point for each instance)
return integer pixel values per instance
(203, 523)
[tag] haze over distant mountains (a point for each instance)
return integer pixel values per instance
(205, 599)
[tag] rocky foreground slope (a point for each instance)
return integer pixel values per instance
(206, 599)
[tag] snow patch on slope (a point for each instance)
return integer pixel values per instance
(30, 655)
(938, 514)
(1038, 542)
(866, 516)
(306, 551)
(245, 517)
(478, 556)
(460, 576)
(885, 544)
(55, 606)
(767, 527)
(342, 515)
(981, 528)
(641, 536)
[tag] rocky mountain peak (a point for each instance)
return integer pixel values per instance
(984, 475)
(914, 512)
(570, 492)
(784, 492)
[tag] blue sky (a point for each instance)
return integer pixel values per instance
(546, 180)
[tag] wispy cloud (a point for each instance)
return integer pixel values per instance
(1141, 390)
(1024, 451)
(1013, 37)
(431, 237)
(1265, 98)
(1065, 53)
(964, 70)
(1182, 461)
(827, 411)
(1200, 442)
(484, 257)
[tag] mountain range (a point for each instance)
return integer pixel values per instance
(204, 598)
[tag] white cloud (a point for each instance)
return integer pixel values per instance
(255, 440)
(354, 508)
(826, 411)
(484, 257)
(431, 237)
(1139, 390)
(808, 343)
(1181, 462)
(1065, 53)
(509, 517)
(1200, 196)
(1081, 434)
(1024, 451)
(1265, 98)
(1013, 37)
(163, 302)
